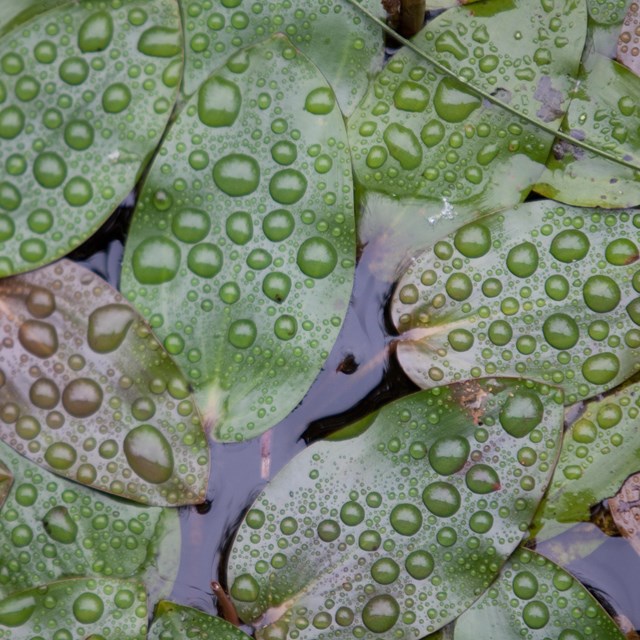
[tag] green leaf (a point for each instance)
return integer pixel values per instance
(347, 48)
(77, 608)
(85, 95)
(606, 12)
(600, 450)
(535, 599)
(541, 291)
(172, 620)
(605, 112)
(13, 14)
(401, 528)
(87, 392)
(242, 254)
(421, 132)
(52, 528)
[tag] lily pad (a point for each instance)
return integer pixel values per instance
(173, 620)
(346, 46)
(605, 112)
(52, 528)
(241, 251)
(85, 96)
(542, 291)
(87, 392)
(534, 599)
(600, 450)
(77, 608)
(401, 528)
(421, 132)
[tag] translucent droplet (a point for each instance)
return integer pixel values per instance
(403, 146)
(449, 454)
(561, 331)
(74, 71)
(278, 225)
(601, 294)
(570, 245)
(556, 287)
(96, 32)
(276, 286)
(521, 413)
(459, 286)
(191, 225)
(205, 260)
(622, 252)
(481, 522)
(453, 101)
(287, 186)
(328, 530)
(219, 102)
(522, 260)
(317, 258)
(461, 340)
(442, 499)
(17, 609)
(385, 571)
(473, 240)
(525, 585)
(406, 519)
(108, 327)
(88, 608)
(245, 588)
(411, 96)
(432, 133)
(11, 122)
(156, 260)
(38, 338)
(161, 42)
(50, 170)
(149, 454)
(242, 333)
(535, 614)
(419, 564)
(237, 174)
(82, 397)
(79, 135)
(60, 526)
(381, 613)
(116, 98)
(482, 479)
(320, 101)
(78, 191)
(601, 368)
(60, 456)
(352, 513)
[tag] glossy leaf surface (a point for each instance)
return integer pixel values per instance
(87, 392)
(542, 291)
(534, 599)
(334, 34)
(77, 608)
(242, 255)
(52, 528)
(172, 620)
(599, 451)
(85, 95)
(419, 132)
(400, 529)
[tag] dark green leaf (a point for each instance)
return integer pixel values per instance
(401, 528)
(84, 98)
(241, 251)
(542, 291)
(87, 392)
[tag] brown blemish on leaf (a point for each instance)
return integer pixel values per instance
(472, 398)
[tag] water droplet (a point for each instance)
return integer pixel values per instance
(406, 519)
(432, 133)
(442, 499)
(82, 397)
(521, 413)
(601, 294)
(219, 102)
(60, 526)
(328, 530)
(27, 427)
(473, 240)
(482, 479)
(161, 42)
(229, 293)
(191, 225)
(78, 191)
(205, 260)
(522, 260)
(237, 174)
(459, 286)
(460, 340)
(411, 96)
(242, 333)
(352, 513)
(45, 52)
(344, 616)
(403, 146)
(369, 540)
(287, 186)
(17, 609)
(74, 71)
(525, 585)
(156, 260)
(419, 564)
(60, 456)
(44, 394)
(535, 614)
(11, 122)
(385, 571)
(481, 522)
(317, 258)
(40, 302)
(38, 338)
(570, 245)
(276, 286)
(453, 101)
(561, 331)
(245, 588)
(557, 287)
(96, 32)
(448, 454)
(88, 608)
(27, 88)
(278, 225)
(50, 170)
(108, 327)
(259, 259)
(601, 368)
(149, 454)
(79, 135)
(116, 98)
(381, 613)
(320, 101)
(622, 252)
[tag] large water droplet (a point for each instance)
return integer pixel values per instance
(11, 122)
(448, 454)
(317, 258)
(561, 331)
(473, 240)
(149, 454)
(411, 96)
(287, 186)
(621, 252)
(521, 413)
(482, 479)
(453, 101)
(88, 608)
(60, 526)
(44, 394)
(74, 71)
(278, 225)
(82, 397)
(385, 571)
(419, 564)
(535, 614)
(441, 498)
(245, 588)
(108, 327)
(60, 456)
(96, 32)
(601, 294)
(406, 519)
(17, 609)
(50, 170)
(40, 302)
(116, 98)
(219, 102)
(570, 245)
(276, 286)
(156, 260)
(403, 146)
(79, 134)
(205, 260)
(242, 333)
(191, 225)
(525, 585)
(381, 613)
(320, 101)
(161, 42)
(237, 174)
(522, 260)
(601, 368)
(38, 338)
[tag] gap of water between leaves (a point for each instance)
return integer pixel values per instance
(359, 377)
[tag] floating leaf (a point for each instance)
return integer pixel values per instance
(628, 52)
(600, 450)
(401, 528)
(605, 112)
(13, 14)
(87, 391)
(77, 608)
(172, 620)
(420, 132)
(541, 291)
(607, 12)
(242, 256)
(535, 599)
(52, 528)
(85, 95)
(347, 48)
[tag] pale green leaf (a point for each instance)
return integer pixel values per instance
(242, 254)
(85, 95)
(397, 530)
(534, 599)
(87, 392)
(541, 291)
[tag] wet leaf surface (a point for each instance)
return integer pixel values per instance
(542, 291)
(535, 599)
(77, 608)
(334, 34)
(173, 620)
(51, 528)
(87, 392)
(242, 257)
(85, 95)
(628, 51)
(400, 529)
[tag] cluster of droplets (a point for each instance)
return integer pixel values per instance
(537, 599)
(607, 12)
(249, 239)
(74, 120)
(561, 305)
(105, 406)
(51, 527)
(629, 40)
(77, 608)
(414, 509)
(334, 35)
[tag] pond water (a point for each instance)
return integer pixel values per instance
(360, 375)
